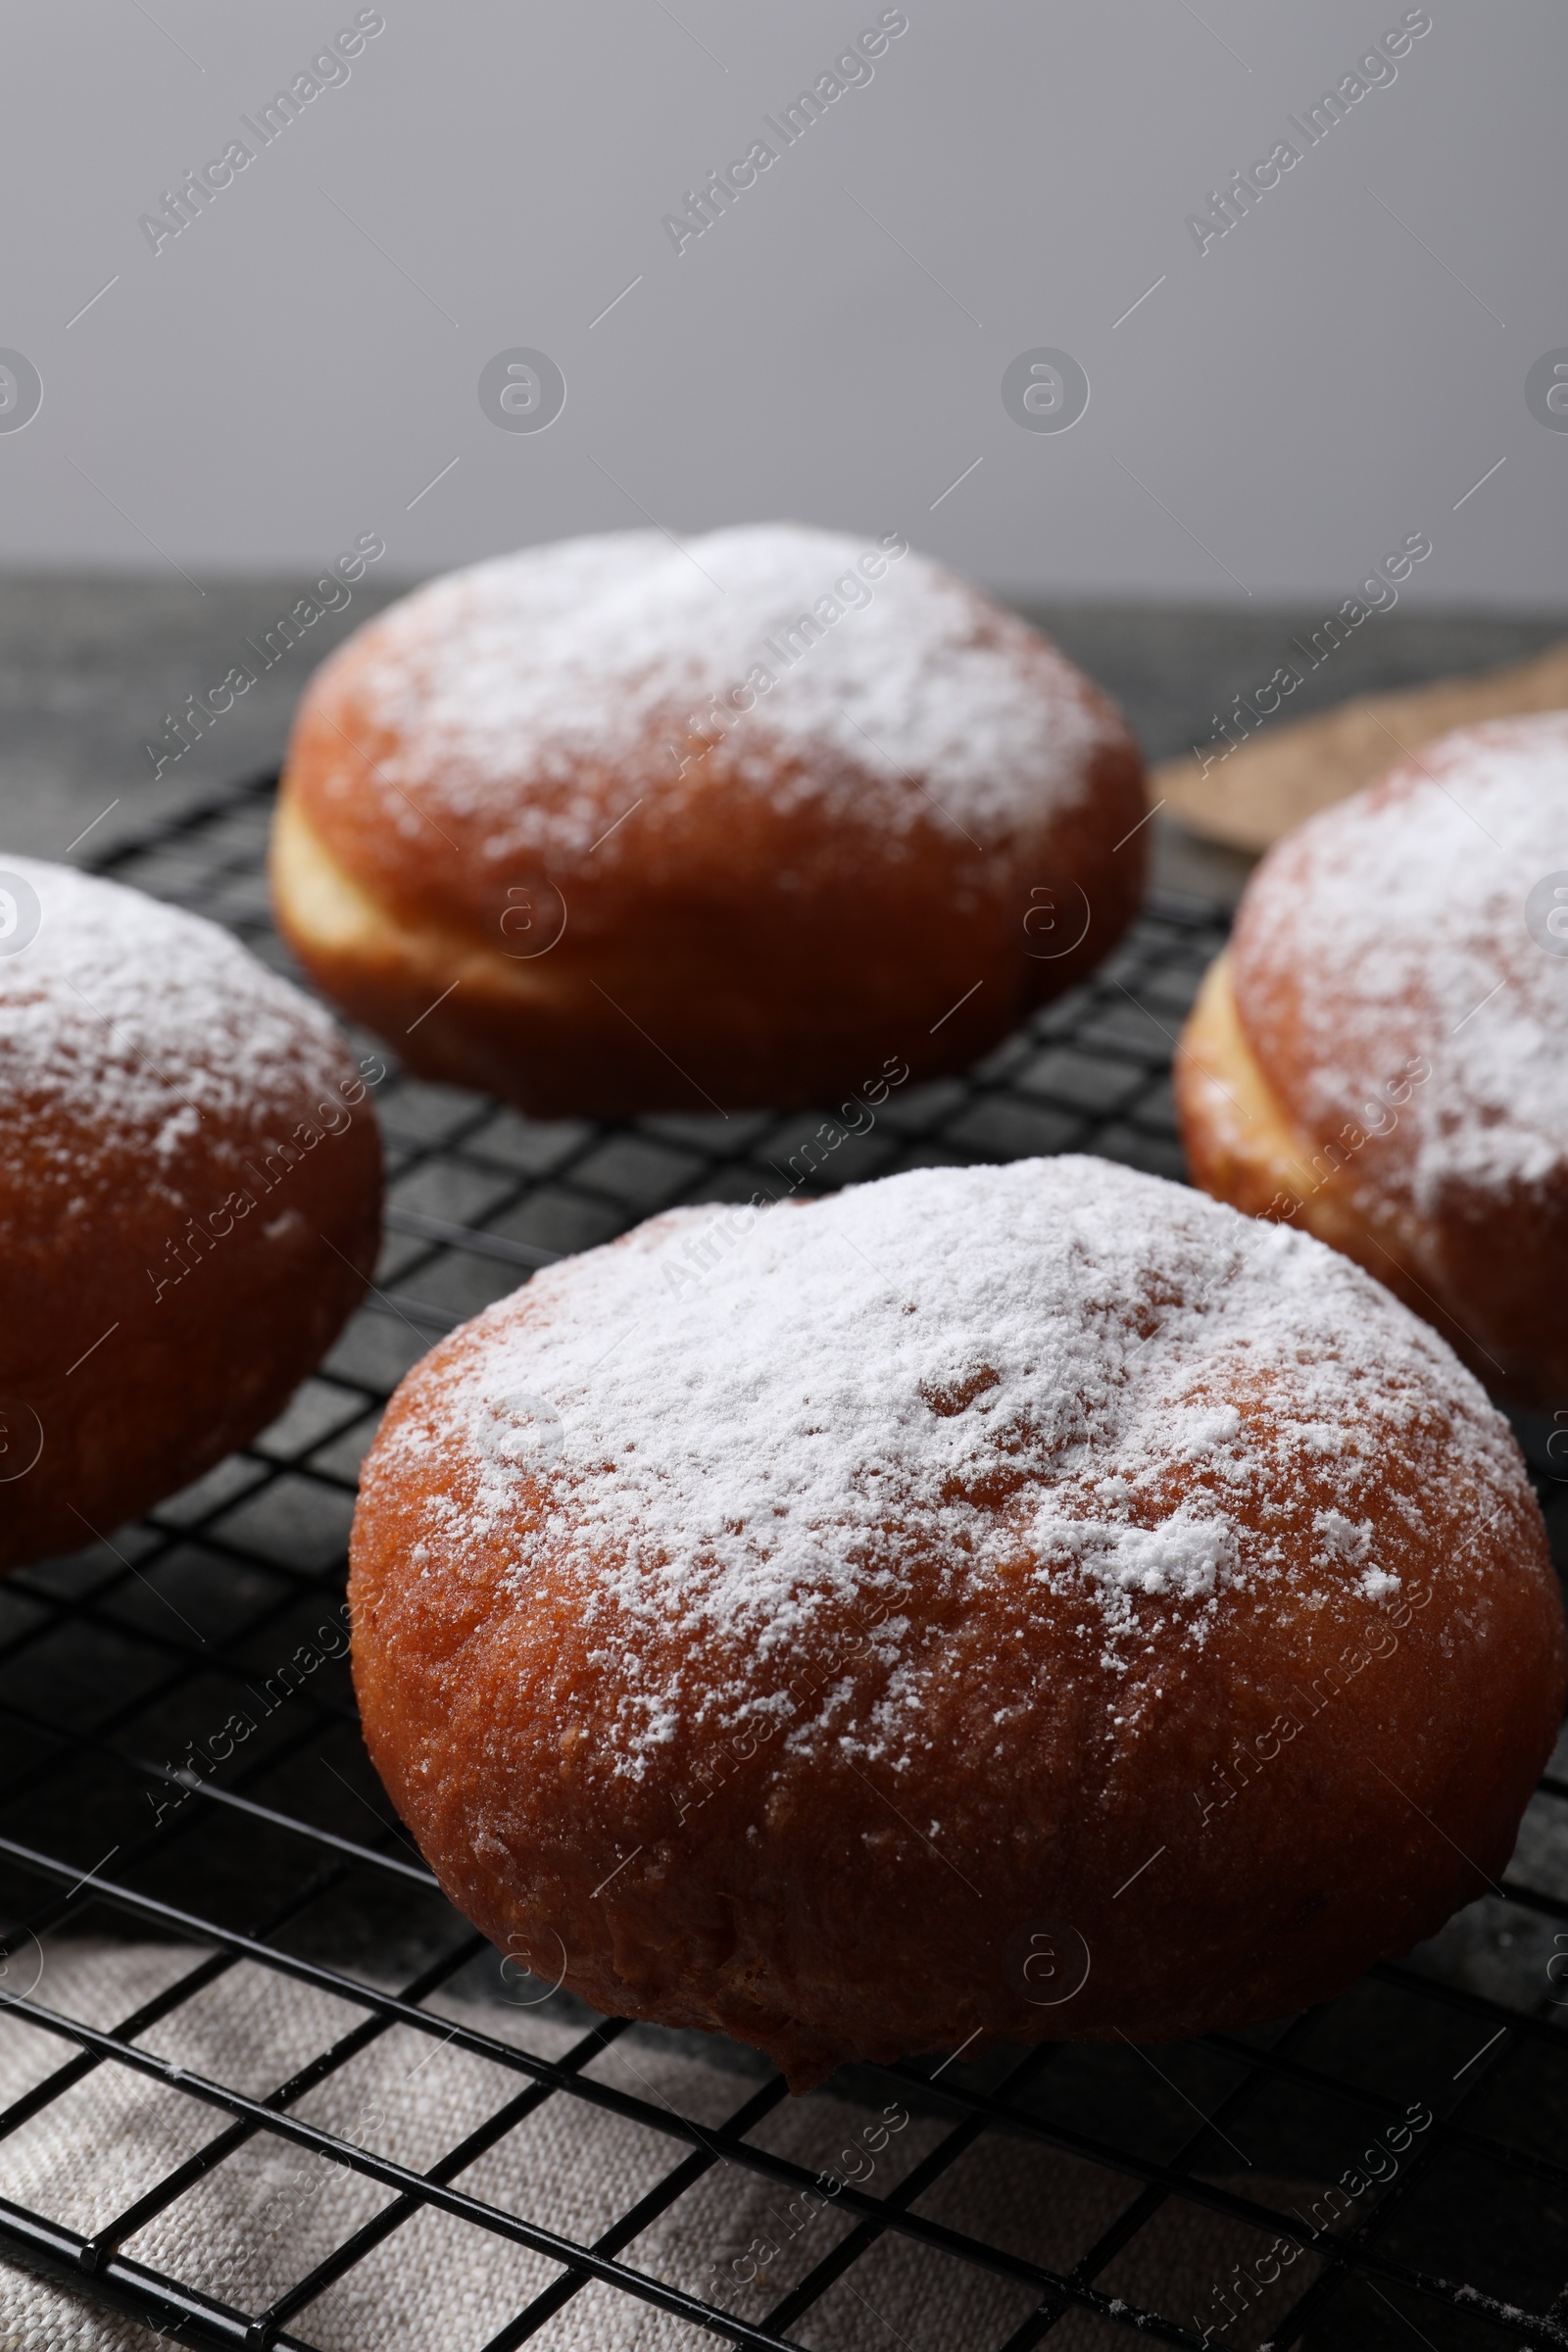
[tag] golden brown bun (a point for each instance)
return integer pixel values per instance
(1383, 1057)
(1024, 1602)
(1242, 1148)
(511, 841)
(189, 1203)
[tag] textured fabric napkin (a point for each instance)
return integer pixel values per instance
(439, 2285)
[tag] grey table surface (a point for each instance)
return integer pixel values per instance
(90, 665)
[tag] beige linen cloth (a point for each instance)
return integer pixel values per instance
(1250, 793)
(440, 2285)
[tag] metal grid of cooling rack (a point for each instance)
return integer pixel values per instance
(116, 1665)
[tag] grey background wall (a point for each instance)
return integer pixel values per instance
(298, 363)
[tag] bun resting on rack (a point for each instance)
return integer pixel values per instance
(628, 824)
(998, 1604)
(189, 1200)
(1382, 1057)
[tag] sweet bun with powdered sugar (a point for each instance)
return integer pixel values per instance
(1382, 1055)
(628, 824)
(989, 1604)
(189, 1201)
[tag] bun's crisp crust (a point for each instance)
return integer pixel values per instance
(1382, 1057)
(1241, 1147)
(1228, 1801)
(175, 1251)
(745, 920)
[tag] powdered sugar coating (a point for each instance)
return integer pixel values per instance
(1391, 929)
(511, 685)
(128, 1028)
(1057, 1371)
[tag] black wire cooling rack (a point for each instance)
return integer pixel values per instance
(123, 1817)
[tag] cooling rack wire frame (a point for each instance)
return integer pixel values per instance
(281, 1856)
